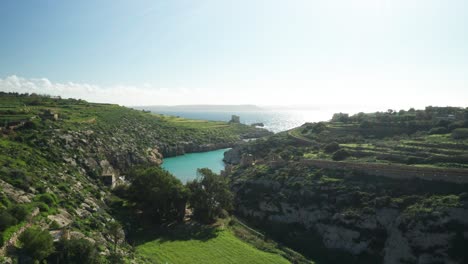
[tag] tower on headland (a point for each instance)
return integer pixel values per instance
(235, 119)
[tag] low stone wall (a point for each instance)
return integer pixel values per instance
(396, 171)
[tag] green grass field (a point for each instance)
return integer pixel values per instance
(224, 248)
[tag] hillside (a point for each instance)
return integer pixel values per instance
(370, 188)
(59, 159)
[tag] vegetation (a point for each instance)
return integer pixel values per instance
(328, 213)
(76, 251)
(37, 243)
(158, 193)
(116, 233)
(223, 247)
(209, 196)
(54, 151)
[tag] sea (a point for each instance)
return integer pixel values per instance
(185, 167)
(275, 121)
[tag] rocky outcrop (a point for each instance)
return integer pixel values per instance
(190, 147)
(426, 231)
(17, 195)
(233, 156)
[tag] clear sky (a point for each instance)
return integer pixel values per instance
(382, 53)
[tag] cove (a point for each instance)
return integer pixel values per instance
(185, 167)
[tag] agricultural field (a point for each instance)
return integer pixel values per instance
(224, 247)
(436, 137)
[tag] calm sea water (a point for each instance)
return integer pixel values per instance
(275, 121)
(185, 167)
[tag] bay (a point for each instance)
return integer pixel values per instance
(184, 167)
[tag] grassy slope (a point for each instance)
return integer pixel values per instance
(224, 248)
(420, 149)
(51, 156)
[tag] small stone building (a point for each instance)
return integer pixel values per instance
(108, 179)
(50, 115)
(235, 119)
(247, 160)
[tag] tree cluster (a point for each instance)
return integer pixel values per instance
(210, 196)
(163, 198)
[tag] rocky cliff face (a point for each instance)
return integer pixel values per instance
(191, 147)
(96, 152)
(389, 222)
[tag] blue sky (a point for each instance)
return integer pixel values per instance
(380, 53)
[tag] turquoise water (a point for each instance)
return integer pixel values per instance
(185, 166)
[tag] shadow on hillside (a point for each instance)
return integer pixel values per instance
(172, 232)
(139, 230)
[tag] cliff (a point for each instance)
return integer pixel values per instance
(369, 188)
(59, 164)
(344, 216)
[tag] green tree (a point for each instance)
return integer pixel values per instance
(19, 211)
(114, 229)
(340, 154)
(331, 147)
(340, 117)
(209, 195)
(37, 243)
(6, 220)
(158, 193)
(77, 251)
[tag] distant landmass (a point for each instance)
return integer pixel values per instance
(202, 108)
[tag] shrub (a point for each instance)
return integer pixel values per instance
(331, 147)
(79, 251)
(116, 258)
(47, 198)
(457, 124)
(37, 243)
(20, 212)
(340, 155)
(54, 225)
(6, 220)
(438, 130)
(460, 133)
(42, 207)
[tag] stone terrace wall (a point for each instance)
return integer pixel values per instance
(396, 171)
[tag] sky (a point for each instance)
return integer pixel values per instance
(357, 53)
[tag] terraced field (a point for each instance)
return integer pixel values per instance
(224, 248)
(395, 144)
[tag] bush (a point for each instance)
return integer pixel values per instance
(77, 251)
(6, 220)
(37, 243)
(460, 133)
(42, 207)
(54, 225)
(457, 124)
(340, 155)
(331, 147)
(116, 258)
(47, 198)
(438, 130)
(20, 212)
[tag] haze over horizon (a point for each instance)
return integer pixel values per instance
(361, 54)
